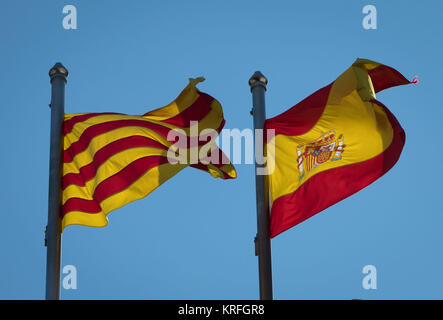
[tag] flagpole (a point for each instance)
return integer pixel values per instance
(58, 75)
(258, 84)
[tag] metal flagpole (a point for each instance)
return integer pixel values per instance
(58, 75)
(258, 84)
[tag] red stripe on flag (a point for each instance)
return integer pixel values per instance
(384, 77)
(77, 204)
(196, 112)
(127, 176)
(302, 117)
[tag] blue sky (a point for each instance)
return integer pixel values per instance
(133, 56)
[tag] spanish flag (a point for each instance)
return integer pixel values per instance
(112, 159)
(332, 144)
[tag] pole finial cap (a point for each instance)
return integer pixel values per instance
(58, 68)
(258, 79)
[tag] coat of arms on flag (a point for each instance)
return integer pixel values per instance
(312, 154)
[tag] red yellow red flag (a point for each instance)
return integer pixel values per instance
(332, 144)
(112, 159)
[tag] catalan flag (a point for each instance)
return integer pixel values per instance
(332, 144)
(112, 159)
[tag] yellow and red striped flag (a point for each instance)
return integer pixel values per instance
(112, 159)
(332, 144)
